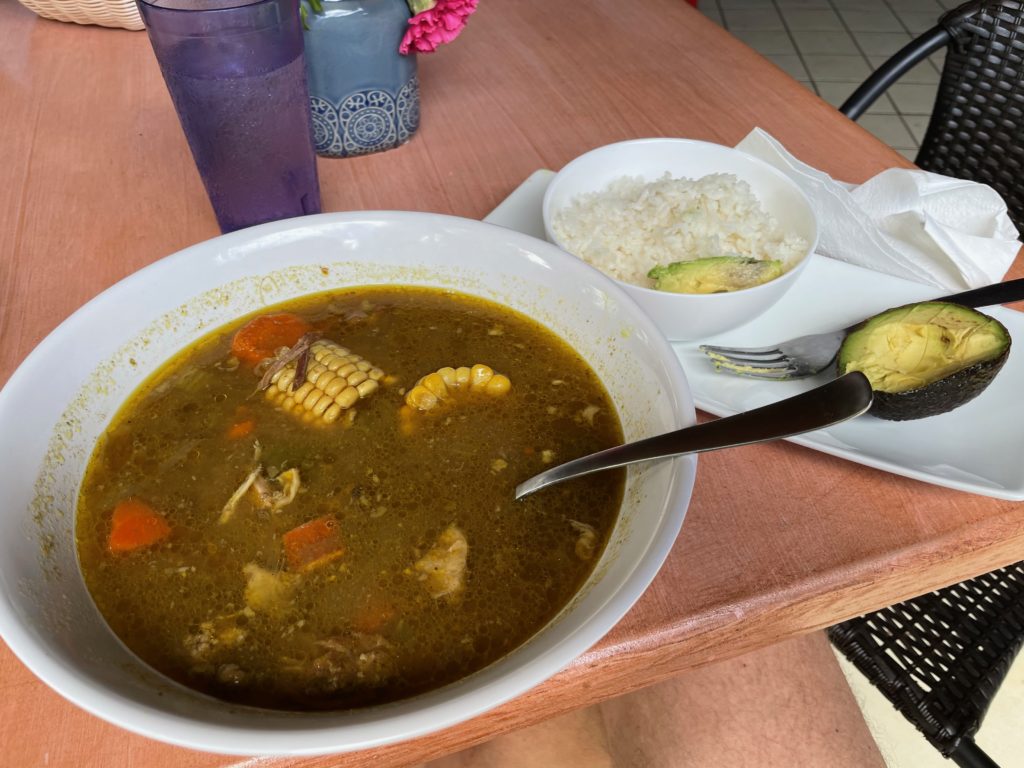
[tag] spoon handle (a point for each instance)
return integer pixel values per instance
(841, 399)
(989, 295)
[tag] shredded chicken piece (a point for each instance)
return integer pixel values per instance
(587, 541)
(268, 592)
(220, 632)
(266, 495)
(229, 509)
(368, 656)
(275, 499)
(443, 568)
(283, 357)
(231, 674)
(346, 661)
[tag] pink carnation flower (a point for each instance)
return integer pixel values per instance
(441, 24)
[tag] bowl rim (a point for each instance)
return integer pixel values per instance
(311, 736)
(549, 232)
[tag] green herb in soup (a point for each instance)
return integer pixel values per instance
(314, 509)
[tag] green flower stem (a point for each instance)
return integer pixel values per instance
(418, 6)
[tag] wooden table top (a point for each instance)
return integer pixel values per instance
(98, 182)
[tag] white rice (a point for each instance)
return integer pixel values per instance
(632, 225)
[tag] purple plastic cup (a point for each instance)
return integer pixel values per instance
(237, 77)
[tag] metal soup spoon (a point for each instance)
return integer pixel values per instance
(841, 399)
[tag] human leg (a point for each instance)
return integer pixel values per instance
(785, 706)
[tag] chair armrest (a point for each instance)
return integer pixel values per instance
(895, 67)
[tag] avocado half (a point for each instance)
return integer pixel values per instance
(714, 274)
(925, 359)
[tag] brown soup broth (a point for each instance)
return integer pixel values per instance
(362, 628)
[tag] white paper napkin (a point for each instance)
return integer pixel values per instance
(913, 224)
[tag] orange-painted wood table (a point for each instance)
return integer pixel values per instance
(98, 182)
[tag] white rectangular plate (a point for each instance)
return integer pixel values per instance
(978, 448)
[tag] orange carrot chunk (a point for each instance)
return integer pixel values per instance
(240, 429)
(262, 336)
(135, 525)
(375, 614)
(313, 544)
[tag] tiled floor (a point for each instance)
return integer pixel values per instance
(831, 46)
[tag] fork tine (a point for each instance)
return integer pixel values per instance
(758, 362)
(778, 374)
(711, 349)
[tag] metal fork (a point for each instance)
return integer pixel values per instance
(807, 355)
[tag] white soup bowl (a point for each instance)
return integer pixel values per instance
(65, 393)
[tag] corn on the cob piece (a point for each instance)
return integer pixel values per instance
(336, 379)
(441, 385)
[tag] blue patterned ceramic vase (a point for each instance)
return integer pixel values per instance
(364, 94)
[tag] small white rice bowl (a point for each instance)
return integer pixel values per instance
(627, 207)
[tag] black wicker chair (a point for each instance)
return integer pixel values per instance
(977, 124)
(940, 658)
